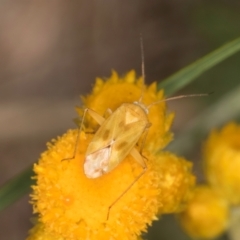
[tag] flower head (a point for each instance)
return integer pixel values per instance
(122, 202)
(222, 161)
(176, 182)
(117, 90)
(206, 215)
(76, 207)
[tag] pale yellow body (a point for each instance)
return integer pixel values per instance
(115, 139)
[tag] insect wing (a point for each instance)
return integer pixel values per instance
(125, 142)
(105, 135)
(96, 163)
(99, 150)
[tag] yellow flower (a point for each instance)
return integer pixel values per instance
(176, 182)
(222, 161)
(112, 93)
(206, 215)
(73, 206)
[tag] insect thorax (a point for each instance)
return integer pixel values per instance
(134, 112)
(143, 106)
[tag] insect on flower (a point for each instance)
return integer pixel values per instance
(118, 136)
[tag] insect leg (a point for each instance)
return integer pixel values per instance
(99, 119)
(137, 156)
(96, 116)
(145, 133)
(109, 110)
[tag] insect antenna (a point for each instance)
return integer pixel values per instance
(142, 67)
(179, 97)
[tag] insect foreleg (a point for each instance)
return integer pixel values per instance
(99, 119)
(96, 116)
(137, 156)
(108, 112)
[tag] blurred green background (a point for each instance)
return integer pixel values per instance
(51, 52)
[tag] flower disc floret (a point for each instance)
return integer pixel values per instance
(39, 232)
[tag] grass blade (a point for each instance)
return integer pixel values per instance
(226, 109)
(186, 75)
(15, 188)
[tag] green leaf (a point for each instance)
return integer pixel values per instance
(226, 109)
(15, 188)
(186, 75)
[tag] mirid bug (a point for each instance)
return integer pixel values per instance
(118, 136)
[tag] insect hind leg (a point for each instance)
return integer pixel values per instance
(139, 158)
